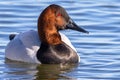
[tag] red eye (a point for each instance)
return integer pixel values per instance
(58, 14)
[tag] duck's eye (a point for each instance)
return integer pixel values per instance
(59, 14)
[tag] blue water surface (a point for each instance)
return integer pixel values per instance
(99, 50)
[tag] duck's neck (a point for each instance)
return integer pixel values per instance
(47, 30)
(51, 38)
(48, 34)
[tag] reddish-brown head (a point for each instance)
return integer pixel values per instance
(51, 20)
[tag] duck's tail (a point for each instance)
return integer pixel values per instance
(11, 36)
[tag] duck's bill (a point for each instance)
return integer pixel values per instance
(72, 25)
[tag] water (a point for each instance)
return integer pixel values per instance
(99, 51)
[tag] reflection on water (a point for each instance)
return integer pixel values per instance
(37, 71)
(18, 70)
(54, 71)
(99, 51)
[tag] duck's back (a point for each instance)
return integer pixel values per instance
(25, 45)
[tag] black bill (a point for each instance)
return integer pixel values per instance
(72, 25)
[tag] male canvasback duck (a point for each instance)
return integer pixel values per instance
(47, 45)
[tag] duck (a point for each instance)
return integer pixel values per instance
(47, 45)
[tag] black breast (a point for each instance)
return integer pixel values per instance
(56, 54)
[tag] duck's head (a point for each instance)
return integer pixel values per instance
(53, 19)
